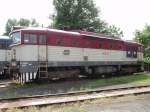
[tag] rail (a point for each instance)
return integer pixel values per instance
(39, 100)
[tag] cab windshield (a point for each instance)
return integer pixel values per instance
(16, 38)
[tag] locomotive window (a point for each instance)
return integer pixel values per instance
(30, 38)
(16, 37)
(42, 39)
(131, 52)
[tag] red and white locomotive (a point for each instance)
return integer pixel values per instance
(51, 53)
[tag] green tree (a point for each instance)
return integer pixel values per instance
(143, 37)
(114, 31)
(34, 23)
(24, 22)
(80, 14)
(21, 22)
(9, 24)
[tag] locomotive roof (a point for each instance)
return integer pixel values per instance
(77, 32)
(46, 29)
(73, 32)
(132, 42)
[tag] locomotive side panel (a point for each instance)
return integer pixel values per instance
(56, 53)
(59, 53)
(103, 55)
(25, 52)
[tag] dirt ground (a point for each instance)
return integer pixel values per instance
(131, 103)
(125, 104)
(140, 103)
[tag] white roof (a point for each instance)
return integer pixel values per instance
(131, 41)
(53, 30)
(62, 31)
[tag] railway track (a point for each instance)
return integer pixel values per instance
(49, 99)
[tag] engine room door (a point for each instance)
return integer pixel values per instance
(42, 48)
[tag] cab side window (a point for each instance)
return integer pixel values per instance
(30, 38)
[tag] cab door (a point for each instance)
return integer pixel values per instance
(42, 48)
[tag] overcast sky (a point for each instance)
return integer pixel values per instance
(129, 15)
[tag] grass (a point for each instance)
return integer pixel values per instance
(140, 78)
(135, 79)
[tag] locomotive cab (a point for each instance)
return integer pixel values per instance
(28, 45)
(28, 49)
